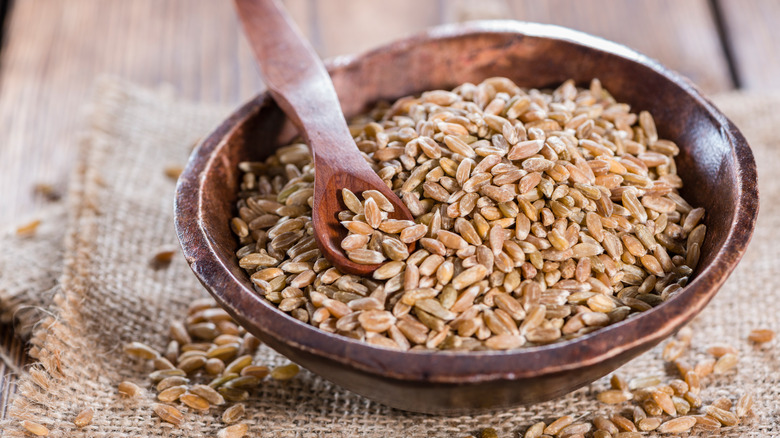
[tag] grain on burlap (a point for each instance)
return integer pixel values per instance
(120, 211)
(29, 268)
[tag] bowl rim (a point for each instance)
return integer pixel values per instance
(460, 367)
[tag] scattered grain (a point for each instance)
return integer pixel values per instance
(725, 418)
(141, 350)
(706, 422)
(162, 258)
(744, 405)
(48, 191)
(129, 389)
(28, 229)
(760, 336)
(195, 401)
(719, 350)
(173, 171)
(35, 428)
(648, 424)
(234, 431)
(557, 426)
(171, 394)
(285, 372)
(84, 418)
(677, 425)
(209, 394)
(488, 432)
(168, 413)
(233, 413)
(535, 431)
(725, 363)
(614, 396)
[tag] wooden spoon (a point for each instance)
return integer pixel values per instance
(299, 83)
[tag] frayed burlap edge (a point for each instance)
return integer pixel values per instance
(54, 390)
(52, 332)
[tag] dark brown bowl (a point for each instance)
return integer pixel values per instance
(716, 165)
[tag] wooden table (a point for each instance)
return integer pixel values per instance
(53, 50)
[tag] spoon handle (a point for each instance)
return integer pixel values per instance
(296, 78)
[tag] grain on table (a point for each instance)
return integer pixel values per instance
(84, 418)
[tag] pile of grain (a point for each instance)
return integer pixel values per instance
(540, 216)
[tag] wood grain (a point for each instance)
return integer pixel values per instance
(49, 68)
(352, 26)
(681, 34)
(754, 39)
(14, 348)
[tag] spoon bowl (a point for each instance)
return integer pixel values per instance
(715, 163)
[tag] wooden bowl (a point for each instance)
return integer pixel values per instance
(716, 165)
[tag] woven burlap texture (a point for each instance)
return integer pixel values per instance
(120, 213)
(29, 268)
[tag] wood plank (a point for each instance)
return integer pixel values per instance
(49, 68)
(682, 34)
(4, 6)
(458, 11)
(15, 349)
(303, 13)
(753, 37)
(53, 53)
(352, 26)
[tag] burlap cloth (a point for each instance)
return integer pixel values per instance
(119, 212)
(30, 267)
